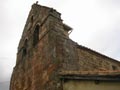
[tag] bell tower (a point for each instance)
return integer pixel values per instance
(37, 58)
(41, 19)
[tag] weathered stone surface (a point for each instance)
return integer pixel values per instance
(45, 51)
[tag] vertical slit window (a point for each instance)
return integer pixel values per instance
(24, 49)
(36, 35)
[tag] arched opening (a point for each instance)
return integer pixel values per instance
(36, 35)
(32, 19)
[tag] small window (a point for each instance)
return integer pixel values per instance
(24, 51)
(114, 67)
(36, 35)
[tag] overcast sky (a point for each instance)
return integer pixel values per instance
(95, 23)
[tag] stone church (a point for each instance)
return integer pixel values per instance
(47, 59)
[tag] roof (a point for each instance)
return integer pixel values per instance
(66, 27)
(91, 75)
(112, 73)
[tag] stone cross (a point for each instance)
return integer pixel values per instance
(36, 2)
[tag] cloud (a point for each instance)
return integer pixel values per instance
(6, 67)
(110, 3)
(4, 85)
(96, 24)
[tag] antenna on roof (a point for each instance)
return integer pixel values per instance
(36, 2)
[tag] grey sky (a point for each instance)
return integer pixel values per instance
(95, 23)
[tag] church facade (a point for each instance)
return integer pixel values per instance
(47, 59)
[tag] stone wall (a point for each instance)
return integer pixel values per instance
(94, 61)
